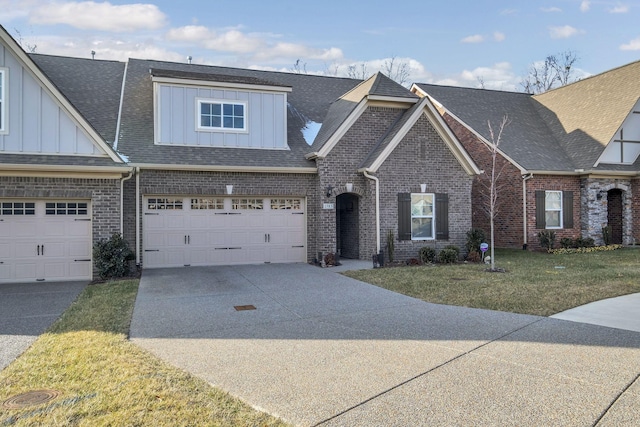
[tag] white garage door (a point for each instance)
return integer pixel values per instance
(182, 231)
(45, 240)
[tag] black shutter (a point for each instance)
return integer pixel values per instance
(567, 209)
(540, 214)
(404, 216)
(442, 216)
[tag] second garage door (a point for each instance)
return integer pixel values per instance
(182, 231)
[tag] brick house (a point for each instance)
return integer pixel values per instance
(204, 165)
(569, 157)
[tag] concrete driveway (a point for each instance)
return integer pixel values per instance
(323, 349)
(27, 310)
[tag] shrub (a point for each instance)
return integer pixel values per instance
(427, 255)
(391, 245)
(448, 256)
(566, 242)
(584, 242)
(112, 257)
(454, 248)
(547, 239)
(475, 236)
(474, 256)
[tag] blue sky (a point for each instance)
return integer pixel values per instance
(454, 42)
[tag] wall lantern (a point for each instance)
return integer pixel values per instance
(349, 187)
(423, 188)
(229, 189)
(329, 190)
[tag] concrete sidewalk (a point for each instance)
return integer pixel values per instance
(620, 312)
(323, 349)
(27, 310)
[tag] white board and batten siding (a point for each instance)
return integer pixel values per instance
(177, 115)
(35, 121)
(45, 240)
(199, 231)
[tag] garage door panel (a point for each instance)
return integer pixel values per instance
(80, 269)
(25, 249)
(5, 250)
(79, 249)
(26, 270)
(154, 222)
(55, 269)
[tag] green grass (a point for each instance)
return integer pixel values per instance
(534, 282)
(105, 380)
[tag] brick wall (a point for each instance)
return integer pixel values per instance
(553, 183)
(635, 208)
(160, 182)
(508, 222)
(103, 193)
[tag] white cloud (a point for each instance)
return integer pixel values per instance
(585, 5)
(551, 9)
(90, 15)
(564, 32)
(498, 36)
(619, 8)
(632, 45)
(476, 38)
(499, 76)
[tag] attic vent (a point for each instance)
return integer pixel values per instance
(189, 58)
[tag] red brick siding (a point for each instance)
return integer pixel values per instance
(635, 207)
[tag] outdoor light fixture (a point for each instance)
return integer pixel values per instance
(349, 187)
(423, 188)
(229, 189)
(329, 189)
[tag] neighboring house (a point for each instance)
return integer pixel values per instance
(569, 157)
(204, 165)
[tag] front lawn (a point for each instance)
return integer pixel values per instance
(105, 380)
(534, 282)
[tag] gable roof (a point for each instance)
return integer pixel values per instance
(309, 100)
(347, 108)
(67, 106)
(403, 125)
(586, 115)
(527, 139)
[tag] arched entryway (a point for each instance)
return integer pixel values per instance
(347, 226)
(615, 214)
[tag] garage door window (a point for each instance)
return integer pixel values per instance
(207, 203)
(288, 204)
(18, 208)
(164, 204)
(242, 204)
(66, 208)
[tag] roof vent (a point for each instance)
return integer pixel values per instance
(189, 58)
(93, 54)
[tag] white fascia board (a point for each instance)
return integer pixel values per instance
(590, 173)
(342, 129)
(523, 170)
(62, 102)
(224, 168)
(208, 83)
(93, 172)
(394, 99)
(418, 91)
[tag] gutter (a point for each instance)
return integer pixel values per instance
(122, 180)
(138, 216)
(221, 168)
(525, 178)
(377, 181)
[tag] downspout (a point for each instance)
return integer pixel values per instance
(525, 178)
(366, 174)
(138, 216)
(122, 180)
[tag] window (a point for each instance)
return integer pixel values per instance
(293, 204)
(554, 209)
(3, 100)
(66, 208)
(164, 204)
(242, 204)
(17, 208)
(423, 216)
(207, 203)
(221, 115)
(422, 213)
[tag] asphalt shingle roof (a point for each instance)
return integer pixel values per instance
(309, 100)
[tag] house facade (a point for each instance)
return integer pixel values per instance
(203, 165)
(569, 159)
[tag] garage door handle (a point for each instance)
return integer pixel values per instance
(297, 213)
(152, 250)
(42, 249)
(81, 260)
(301, 246)
(82, 219)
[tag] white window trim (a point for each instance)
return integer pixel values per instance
(4, 100)
(561, 210)
(432, 216)
(200, 101)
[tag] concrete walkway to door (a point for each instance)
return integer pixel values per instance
(322, 349)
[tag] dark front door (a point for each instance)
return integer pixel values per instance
(347, 226)
(614, 215)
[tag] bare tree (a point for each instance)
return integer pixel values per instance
(299, 67)
(396, 70)
(556, 70)
(30, 48)
(357, 71)
(492, 205)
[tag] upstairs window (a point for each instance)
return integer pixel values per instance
(221, 115)
(3, 100)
